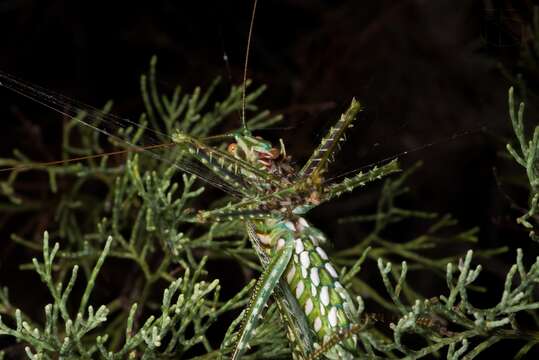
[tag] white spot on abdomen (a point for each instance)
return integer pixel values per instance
(290, 226)
(331, 270)
(308, 306)
(299, 246)
(302, 224)
(332, 316)
(299, 289)
(317, 324)
(322, 253)
(315, 278)
(304, 259)
(324, 295)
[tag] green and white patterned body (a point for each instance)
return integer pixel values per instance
(313, 280)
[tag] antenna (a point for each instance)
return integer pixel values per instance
(243, 97)
(133, 149)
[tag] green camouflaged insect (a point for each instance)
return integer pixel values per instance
(274, 196)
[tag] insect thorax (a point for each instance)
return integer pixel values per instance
(291, 197)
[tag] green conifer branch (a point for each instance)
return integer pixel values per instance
(527, 157)
(171, 301)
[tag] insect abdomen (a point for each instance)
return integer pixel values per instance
(315, 283)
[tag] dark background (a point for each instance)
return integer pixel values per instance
(427, 72)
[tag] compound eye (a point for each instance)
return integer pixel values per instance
(232, 148)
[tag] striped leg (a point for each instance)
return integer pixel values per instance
(298, 330)
(263, 289)
(321, 157)
(337, 338)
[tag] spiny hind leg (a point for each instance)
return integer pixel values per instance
(263, 289)
(338, 338)
(243, 211)
(367, 320)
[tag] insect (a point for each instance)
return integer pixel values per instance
(275, 196)
(272, 198)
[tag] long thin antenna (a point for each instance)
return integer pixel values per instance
(34, 166)
(243, 96)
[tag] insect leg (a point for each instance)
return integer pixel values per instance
(299, 334)
(360, 179)
(319, 160)
(263, 289)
